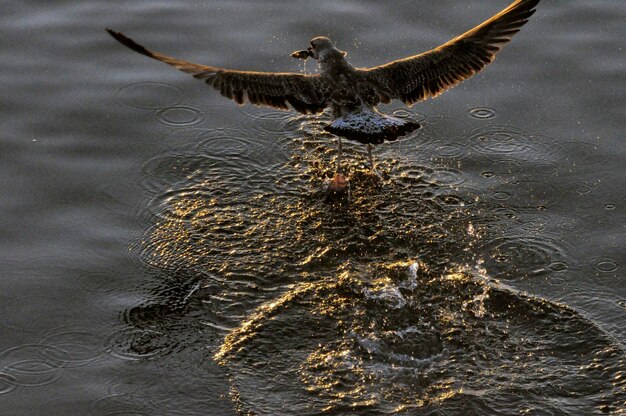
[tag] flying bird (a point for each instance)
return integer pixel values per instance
(352, 94)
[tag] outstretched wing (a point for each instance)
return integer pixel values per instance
(305, 93)
(429, 74)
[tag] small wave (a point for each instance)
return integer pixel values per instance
(482, 113)
(29, 365)
(529, 194)
(148, 95)
(179, 116)
(517, 257)
(134, 344)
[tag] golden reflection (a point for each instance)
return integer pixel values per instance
(377, 304)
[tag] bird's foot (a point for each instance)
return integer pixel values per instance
(338, 189)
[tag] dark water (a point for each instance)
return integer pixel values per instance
(166, 252)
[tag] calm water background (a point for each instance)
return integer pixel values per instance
(166, 252)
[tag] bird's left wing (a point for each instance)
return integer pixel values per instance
(305, 93)
(429, 74)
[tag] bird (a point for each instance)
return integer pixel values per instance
(353, 94)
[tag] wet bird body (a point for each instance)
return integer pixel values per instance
(352, 94)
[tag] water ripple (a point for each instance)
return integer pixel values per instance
(585, 154)
(517, 257)
(148, 95)
(483, 113)
(138, 344)
(502, 140)
(8, 383)
(317, 302)
(505, 167)
(605, 265)
(73, 348)
(27, 365)
(529, 194)
(448, 150)
(179, 116)
(119, 405)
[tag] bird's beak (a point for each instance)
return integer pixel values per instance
(304, 54)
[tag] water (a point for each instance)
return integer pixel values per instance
(166, 252)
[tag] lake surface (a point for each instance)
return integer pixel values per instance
(166, 252)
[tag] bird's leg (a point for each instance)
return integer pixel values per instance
(372, 166)
(339, 155)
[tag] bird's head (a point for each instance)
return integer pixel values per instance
(321, 47)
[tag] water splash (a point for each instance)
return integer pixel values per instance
(327, 306)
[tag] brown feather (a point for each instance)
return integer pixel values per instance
(303, 92)
(429, 74)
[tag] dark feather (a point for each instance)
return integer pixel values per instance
(302, 92)
(429, 74)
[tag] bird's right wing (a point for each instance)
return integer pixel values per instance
(305, 93)
(429, 74)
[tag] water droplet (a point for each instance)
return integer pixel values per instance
(487, 174)
(610, 207)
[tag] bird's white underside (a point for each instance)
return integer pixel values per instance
(367, 121)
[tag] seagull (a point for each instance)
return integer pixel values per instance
(352, 94)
